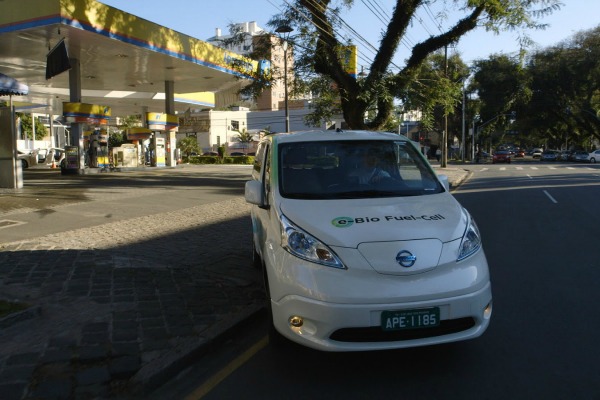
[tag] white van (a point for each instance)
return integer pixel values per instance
(362, 246)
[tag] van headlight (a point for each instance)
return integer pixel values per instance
(471, 241)
(305, 246)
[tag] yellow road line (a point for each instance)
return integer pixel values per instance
(217, 378)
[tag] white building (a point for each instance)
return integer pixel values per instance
(248, 30)
(215, 128)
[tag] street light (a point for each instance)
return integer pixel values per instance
(284, 31)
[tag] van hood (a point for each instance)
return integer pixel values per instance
(348, 223)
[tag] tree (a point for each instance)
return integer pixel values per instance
(319, 51)
(566, 88)
(244, 137)
(437, 92)
(118, 137)
(503, 88)
(26, 127)
(188, 145)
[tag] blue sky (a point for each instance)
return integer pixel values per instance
(200, 18)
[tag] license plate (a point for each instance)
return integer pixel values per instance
(410, 319)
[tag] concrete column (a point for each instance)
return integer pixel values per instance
(141, 146)
(75, 97)
(11, 174)
(33, 131)
(170, 97)
(170, 110)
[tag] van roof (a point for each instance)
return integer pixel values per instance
(328, 135)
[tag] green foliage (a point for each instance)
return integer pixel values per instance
(220, 160)
(26, 127)
(437, 91)
(244, 137)
(555, 94)
(117, 138)
(188, 145)
(319, 68)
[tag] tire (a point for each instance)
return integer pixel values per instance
(256, 260)
(593, 160)
(24, 164)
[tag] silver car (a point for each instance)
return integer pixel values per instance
(27, 158)
(594, 156)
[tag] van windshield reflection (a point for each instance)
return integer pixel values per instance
(353, 170)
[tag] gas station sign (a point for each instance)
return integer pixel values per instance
(162, 121)
(92, 114)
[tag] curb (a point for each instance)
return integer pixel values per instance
(16, 317)
(163, 369)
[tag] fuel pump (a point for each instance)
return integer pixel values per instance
(98, 149)
(158, 152)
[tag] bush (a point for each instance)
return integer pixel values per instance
(238, 160)
(246, 160)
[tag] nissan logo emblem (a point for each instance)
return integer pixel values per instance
(406, 259)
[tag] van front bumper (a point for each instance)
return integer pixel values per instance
(357, 327)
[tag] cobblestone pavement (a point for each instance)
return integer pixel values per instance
(120, 307)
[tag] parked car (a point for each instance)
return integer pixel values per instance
(501, 156)
(362, 246)
(237, 153)
(565, 155)
(28, 158)
(537, 152)
(580, 156)
(482, 156)
(45, 156)
(210, 153)
(550, 155)
(594, 156)
(519, 153)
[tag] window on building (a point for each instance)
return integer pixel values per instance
(235, 125)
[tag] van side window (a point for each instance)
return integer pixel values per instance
(258, 161)
(267, 173)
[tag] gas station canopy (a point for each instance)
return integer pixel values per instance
(125, 61)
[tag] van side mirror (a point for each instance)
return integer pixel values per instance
(445, 183)
(254, 193)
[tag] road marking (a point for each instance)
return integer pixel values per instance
(550, 197)
(5, 223)
(552, 167)
(484, 169)
(519, 168)
(529, 176)
(217, 378)
(534, 167)
(503, 169)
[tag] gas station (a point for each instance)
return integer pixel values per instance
(90, 63)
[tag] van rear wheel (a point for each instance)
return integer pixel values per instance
(256, 260)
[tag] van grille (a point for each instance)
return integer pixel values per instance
(376, 334)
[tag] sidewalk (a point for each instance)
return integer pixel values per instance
(121, 307)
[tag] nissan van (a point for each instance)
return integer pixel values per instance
(362, 246)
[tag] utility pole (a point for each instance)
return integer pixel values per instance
(445, 133)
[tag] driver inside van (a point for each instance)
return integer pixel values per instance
(369, 171)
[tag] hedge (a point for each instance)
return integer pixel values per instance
(247, 160)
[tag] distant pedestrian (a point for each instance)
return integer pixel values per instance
(438, 154)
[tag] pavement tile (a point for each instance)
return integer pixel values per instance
(93, 375)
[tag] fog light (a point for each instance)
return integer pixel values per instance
(296, 321)
(487, 313)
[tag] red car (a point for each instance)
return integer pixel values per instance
(501, 156)
(519, 153)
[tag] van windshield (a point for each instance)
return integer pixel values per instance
(352, 169)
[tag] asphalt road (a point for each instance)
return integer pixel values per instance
(539, 224)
